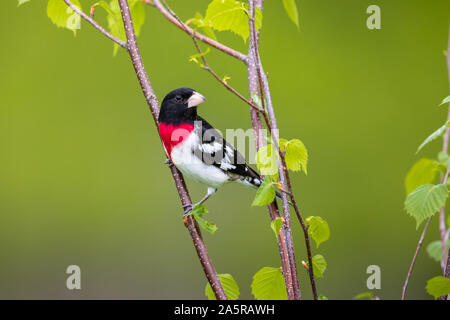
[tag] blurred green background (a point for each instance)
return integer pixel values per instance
(82, 175)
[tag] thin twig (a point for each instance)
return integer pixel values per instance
(446, 266)
(166, 12)
(304, 228)
(419, 245)
(205, 66)
(95, 24)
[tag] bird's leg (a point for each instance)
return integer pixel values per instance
(190, 207)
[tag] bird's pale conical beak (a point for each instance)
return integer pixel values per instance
(195, 99)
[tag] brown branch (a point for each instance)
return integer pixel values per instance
(166, 12)
(444, 233)
(152, 102)
(419, 245)
(95, 24)
(272, 125)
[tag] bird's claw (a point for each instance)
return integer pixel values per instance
(168, 162)
(188, 209)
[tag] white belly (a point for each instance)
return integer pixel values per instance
(192, 167)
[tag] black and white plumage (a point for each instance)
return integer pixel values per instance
(197, 149)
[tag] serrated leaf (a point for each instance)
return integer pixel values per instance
(446, 100)
(229, 286)
(436, 134)
(364, 295)
(319, 265)
(22, 2)
(200, 23)
(63, 16)
(291, 9)
(196, 58)
(422, 172)
(266, 160)
(296, 155)
(265, 193)
(276, 226)
(425, 201)
(318, 229)
(231, 15)
(434, 250)
(268, 284)
(114, 17)
(438, 286)
(198, 212)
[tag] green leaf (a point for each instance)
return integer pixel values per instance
(231, 15)
(62, 15)
(198, 212)
(364, 295)
(319, 265)
(446, 100)
(229, 286)
(265, 193)
(276, 225)
(268, 284)
(322, 297)
(422, 172)
(296, 155)
(266, 160)
(196, 58)
(22, 2)
(438, 286)
(114, 17)
(291, 9)
(443, 158)
(318, 229)
(200, 23)
(434, 249)
(439, 132)
(425, 201)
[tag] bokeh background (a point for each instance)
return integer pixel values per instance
(82, 178)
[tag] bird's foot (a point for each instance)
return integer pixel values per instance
(188, 209)
(168, 162)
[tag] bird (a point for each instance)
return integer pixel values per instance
(197, 149)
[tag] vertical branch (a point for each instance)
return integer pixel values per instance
(411, 267)
(152, 102)
(442, 228)
(419, 245)
(285, 237)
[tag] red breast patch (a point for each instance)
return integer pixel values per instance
(171, 135)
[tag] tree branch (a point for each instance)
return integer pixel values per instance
(152, 102)
(272, 125)
(419, 245)
(166, 12)
(443, 232)
(95, 24)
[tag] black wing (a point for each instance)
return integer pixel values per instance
(215, 150)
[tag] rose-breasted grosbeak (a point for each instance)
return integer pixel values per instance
(196, 148)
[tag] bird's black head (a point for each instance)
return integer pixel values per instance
(180, 105)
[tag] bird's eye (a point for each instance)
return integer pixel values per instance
(178, 99)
